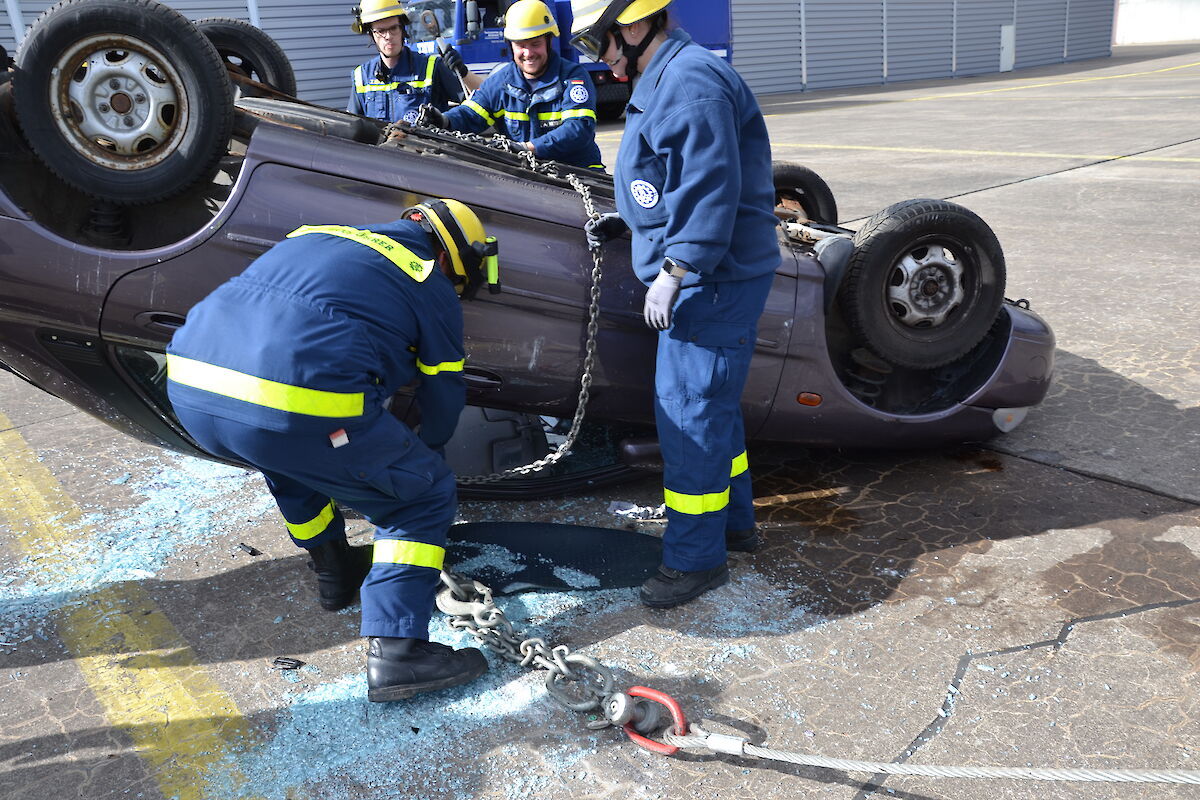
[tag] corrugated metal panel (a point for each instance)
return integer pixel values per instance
(316, 36)
(1089, 29)
(767, 45)
(920, 39)
(977, 37)
(844, 41)
(193, 9)
(1041, 32)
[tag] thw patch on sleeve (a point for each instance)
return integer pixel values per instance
(578, 92)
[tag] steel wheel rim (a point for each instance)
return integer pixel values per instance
(924, 287)
(119, 102)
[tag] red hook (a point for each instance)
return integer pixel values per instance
(662, 698)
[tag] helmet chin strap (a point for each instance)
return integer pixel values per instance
(633, 52)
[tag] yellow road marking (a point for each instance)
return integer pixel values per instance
(1007, 153)
(148, 680)
(783, 499)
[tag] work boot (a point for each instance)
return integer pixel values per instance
(671, 587)
(746, 541)
(340, 569)
(399, 668)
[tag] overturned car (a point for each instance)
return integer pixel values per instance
(140, 171)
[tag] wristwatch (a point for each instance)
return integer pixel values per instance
(672, 268)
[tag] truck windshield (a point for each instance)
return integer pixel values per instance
(442, 11)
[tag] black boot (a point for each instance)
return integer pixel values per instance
(671, 587)
(399, 668)
(746, 541)
(340, 570)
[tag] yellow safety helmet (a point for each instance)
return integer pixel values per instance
(528, 19)
(594, 18)
(472, 252)
(374, 10)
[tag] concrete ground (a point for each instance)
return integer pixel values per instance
(1032, 603)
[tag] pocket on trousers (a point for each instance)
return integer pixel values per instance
(391, 459)
(705, 370)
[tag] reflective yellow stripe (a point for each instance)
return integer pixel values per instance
(362, 88)
(517, 115)
(416, 554)
(481, 111)
(445, 366)
(262, 392)
(696, 503)
(740, 465)
(429, 64)
(569, 114)
(315, 526)
(390, 249)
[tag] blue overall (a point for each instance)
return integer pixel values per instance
(693, 182)
(286, 367)
(416, 79)
(556, 112)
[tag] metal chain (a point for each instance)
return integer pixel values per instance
(471, 607)
(500, 142)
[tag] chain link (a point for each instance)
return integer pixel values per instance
(500, 142)
(576, 681)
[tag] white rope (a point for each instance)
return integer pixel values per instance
(739, 746)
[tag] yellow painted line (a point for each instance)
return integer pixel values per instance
(1026, 86)
(145, 676)
(1006, 153)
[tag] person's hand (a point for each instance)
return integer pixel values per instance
(454, 61)
(431, 117)
(599, 230)
(660, 299)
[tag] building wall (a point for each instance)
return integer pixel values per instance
(1145, 21)
(863, 42)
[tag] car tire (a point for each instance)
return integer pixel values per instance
(153, 122)
(797, 185)
(250, 52)
(925, 283)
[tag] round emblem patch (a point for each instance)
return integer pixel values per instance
(644, 193)
(578, 93)
(411, 117)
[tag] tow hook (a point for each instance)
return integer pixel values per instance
(636, 716)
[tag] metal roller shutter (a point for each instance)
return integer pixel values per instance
(316, 36)
(1041, 32)
(845, 42)
(920, 39)
(1089, 29)
(768, 45)
(977, 35)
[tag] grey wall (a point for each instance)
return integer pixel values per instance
(841, 43)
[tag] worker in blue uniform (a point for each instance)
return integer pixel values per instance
(289, 368)
(693, 185)
(541, 101)
(394, 83)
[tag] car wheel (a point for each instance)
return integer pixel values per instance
(250, 52)
(800, 190)
(924, 284)
(123, 99)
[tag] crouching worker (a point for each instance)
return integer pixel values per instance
(287, 367)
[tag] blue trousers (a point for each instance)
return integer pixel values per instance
(702, 364)
(385, 472)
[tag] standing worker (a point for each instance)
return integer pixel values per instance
(287, 367)
(394, 83)
(540, 100)
(693, 184)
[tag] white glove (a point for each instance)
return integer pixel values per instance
(660, 299)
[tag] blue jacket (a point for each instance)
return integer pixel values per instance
(557, 112)
(693, 174)
(416, 79)
(319, 331)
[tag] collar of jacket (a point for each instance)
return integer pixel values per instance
(406, 65)
(645, 85)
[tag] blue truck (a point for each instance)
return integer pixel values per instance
(476, 29)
